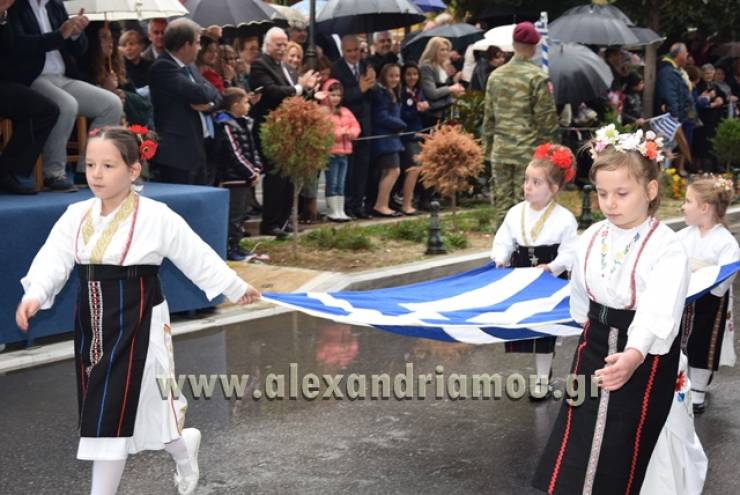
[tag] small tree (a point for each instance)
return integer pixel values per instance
(297, 138)
(449, 157)
(727, 142)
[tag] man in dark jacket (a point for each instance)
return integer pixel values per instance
(386, 52)
(671, 88)
(33, 116)
(183, 101)
(277, 82)
(357, 77)
(47, 43)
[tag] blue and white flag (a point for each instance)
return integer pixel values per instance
(481, 306)
(665, 126)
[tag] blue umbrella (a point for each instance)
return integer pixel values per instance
(304, 6)
(430, 5)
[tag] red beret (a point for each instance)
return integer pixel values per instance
(525, 32)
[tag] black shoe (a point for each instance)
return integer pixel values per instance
(411, 213)
(60, 184)
(275, 231)
(350, 214)
(395, 214)
(700, 408)
(289, 229)
(235, 255)
(10, 184)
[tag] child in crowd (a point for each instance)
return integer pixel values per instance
(538, 232)
(707, 242)
(238, 162)
(632, 104)
(387, 122)
(628, 289)
(117, 240)
(346, 129)
(413, 107)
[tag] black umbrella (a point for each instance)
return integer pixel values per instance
(501, 14)
(603, 10)
(592, 29)
(366, 16)
(460, 35)
(246, 17)
(646, 36)
(577, 73)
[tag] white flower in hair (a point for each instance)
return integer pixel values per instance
(650, 136)
(629, 141)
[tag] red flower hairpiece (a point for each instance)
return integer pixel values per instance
(147, 149)
(138, 129)
(561, 158)
(542, 151)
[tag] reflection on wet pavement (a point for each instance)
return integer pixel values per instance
(326, 446)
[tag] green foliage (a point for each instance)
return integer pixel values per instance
(408, 230)
(727, 141)
(455, 240)
(349, 238)
(469, 110)
(297, 138)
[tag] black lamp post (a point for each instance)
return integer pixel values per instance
(311, 59)
(586, 218)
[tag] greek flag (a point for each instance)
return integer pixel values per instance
(481, 306)
(665, 126)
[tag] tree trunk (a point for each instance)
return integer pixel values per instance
(454, 210)
(294, 219)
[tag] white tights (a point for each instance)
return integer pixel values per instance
(106, 475)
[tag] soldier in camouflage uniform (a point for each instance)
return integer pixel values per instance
(519, 115)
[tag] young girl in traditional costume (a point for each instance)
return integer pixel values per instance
(117, 240)
(707, 242)
(628, 288)
(538, 232)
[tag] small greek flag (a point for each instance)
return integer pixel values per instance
(481, 306)
(665, 126)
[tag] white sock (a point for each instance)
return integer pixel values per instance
(542, 365)
(106, 475)
(179, 452)
(699, 382)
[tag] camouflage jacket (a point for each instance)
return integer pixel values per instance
(519, 112)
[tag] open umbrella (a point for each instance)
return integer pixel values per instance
(577, 73)
(501, 36)
(646, 36)
(430, 5)
(602, 10)
(499, 14)
(294, 17)
(366, 16)
(121, 10)
(591, 28)
(304, 6)
(250, 15)
(460, 35)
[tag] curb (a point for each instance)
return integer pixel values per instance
(325, 282)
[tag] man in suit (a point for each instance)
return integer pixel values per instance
(277, 82)
(357, 77)
(182, 101)
(155, 33)
(32, 114)
(47, 43)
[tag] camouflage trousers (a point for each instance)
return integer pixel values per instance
(508, 184)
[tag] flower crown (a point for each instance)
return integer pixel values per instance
(559, 156)
(647, 144)
(723, 184)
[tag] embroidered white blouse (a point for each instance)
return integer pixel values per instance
(83, 235)
(560, 228)
(644, 268)
(717, 247)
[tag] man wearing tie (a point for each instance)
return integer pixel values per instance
(183, 101)
(357, 77)
(277, 83)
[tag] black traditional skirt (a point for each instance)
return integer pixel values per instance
(525, 257)
(702, 330)
(603, 446)
(112, 323)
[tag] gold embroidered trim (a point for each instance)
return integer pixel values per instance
(127, 207)
(537, 228)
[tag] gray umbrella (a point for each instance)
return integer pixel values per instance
(646, 36)
(577, 73)
(591, 28)
(460, 35)
(366, 16)
(603, 10)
